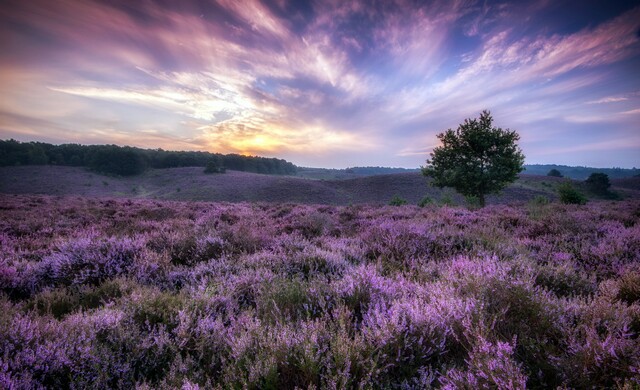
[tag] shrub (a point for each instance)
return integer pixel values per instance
(629, 288)
(397, 201)
(539, 200)
(447, 200)
(598, 183)
(569, 195)
(425, 201)
(86, 261)
(473, 202)
(554, 173)
(489, 366)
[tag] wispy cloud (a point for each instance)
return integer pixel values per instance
(335, 79)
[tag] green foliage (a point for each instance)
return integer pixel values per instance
(447, 200)
(473, 202)
(124, 161)
(397, 201)
(598, 183)
(569, 195)
(554, 173)
(539, 200)
(215, 165)
(476, 159)
(425, 201)
(111, 159)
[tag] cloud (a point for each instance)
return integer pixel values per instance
(631, 112)
(328, 78)
(609, 99)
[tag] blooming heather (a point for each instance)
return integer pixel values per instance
(115, 293)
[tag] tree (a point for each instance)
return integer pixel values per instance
(214, 165)
(598, 183)
(476, 159)
(554, 173)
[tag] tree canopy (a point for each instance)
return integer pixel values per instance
(554, 173)
(598, 183)
(476, 159)
(124, 161)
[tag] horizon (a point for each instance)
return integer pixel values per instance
(324, 85)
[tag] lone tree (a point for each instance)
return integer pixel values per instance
(476, 159)
(598, 183)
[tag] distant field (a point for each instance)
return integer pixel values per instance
(192, 184)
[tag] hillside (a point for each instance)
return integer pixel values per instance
(193, 185)
(580, 173)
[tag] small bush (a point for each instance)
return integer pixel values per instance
(629, 288)
(569, 195)
(473, 202)
(425, 201)
(447, 200)
(539, 200)
(397, 201)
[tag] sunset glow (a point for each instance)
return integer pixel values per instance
(327, 83)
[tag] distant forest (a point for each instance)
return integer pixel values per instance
(580, 173)
(127, 161)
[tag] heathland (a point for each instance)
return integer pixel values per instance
(117, 293)
(191, 183)
(145, 271)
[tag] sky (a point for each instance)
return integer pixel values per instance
(327, 83)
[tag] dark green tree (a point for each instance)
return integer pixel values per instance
(215, 165)
(476, 159)
(598, 183)
(554, 173)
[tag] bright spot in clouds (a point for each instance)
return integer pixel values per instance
(327, 83)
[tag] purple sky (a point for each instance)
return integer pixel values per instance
(327, 83)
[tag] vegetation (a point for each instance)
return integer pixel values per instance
(598, 183)
(117, 293)
(126, 161)
(579, 172)
(476, 159)
(425, 201)
(570, 195)
(215, 165)
(554, 173)
(397, 201)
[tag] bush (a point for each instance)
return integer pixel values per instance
(598, 183)
(569, 195)
(425, 201)
(554, 173)
(539, 200)
(473, 202)
(397, 201)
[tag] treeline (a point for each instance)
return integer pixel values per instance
(579, 173)
(126, 161)
(371, 171)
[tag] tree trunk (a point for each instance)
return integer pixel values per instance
(481, 199)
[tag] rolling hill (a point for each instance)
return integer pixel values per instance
(191, 184)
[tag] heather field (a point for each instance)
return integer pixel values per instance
(117, 293)
(192, 184)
